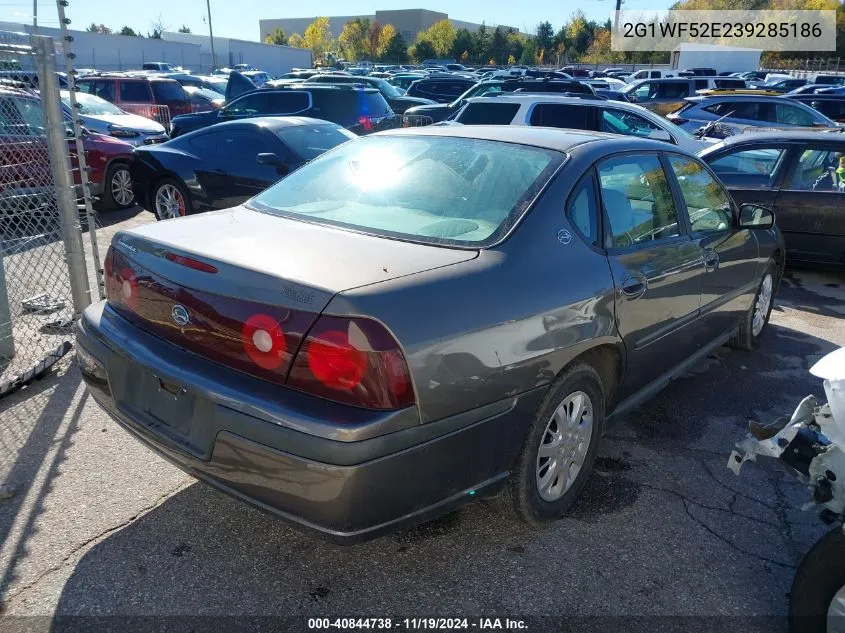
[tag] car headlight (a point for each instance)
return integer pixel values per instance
(121, 132)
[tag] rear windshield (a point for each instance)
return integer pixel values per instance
(168, 91)
(488, 113)
(309, 141)
(430, 189)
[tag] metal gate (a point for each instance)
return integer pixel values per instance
(45, 278)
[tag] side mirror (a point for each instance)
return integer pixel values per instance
(274, 160)
(660, 135)
(752, 216)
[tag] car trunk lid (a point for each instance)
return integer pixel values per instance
(208, 283)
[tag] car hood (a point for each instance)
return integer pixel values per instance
(427, 109)
(128, 121)
(321, 260)
(413, 101)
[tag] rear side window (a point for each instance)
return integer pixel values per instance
(488, 113)
(700, 84)
(730, 83)
(260, 103)
(583, 210)
(831, 108)
(168, 91)
(134, 92)
(560, 115)
(792, 115)
(103, 88)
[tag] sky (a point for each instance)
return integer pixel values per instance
(239, 18)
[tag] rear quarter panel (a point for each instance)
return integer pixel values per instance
(500, 324)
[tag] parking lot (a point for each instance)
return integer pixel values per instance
(97, 525)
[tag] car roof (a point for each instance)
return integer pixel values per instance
(315, 86)
(547, 138)
(547, 97)
(738, 97)
(784, 136)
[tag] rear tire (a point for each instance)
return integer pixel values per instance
(559, 451)
(819, 578)
(117, 188)
(170, 200)
(756, 319)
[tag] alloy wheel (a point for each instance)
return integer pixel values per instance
(761, 308)
(169, 202)
(564, 446)
(121, 187)
(836, 613)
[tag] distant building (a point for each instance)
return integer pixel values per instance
(408, 22)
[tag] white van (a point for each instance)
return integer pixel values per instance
(651, 74)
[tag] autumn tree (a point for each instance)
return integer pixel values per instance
(318, 38)
(354, 40)
(297, 40)
(277, 37)
(442, 35)
(373, 37)
(516, 42)
(385, 35)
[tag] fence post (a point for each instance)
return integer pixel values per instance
(57, 143)
(7, 338)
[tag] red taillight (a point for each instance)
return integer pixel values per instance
(121, 281)
(190, 262)
(264, 341)
(354, 361)
(366, 123)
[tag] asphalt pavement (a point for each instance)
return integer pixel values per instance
(97, 525)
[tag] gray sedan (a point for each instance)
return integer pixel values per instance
(103, 117)
(424, 317)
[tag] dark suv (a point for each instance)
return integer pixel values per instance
(442, 89)
(134, 93)
(398, 101)
(360, 110)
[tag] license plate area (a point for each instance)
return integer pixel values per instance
(163, 406)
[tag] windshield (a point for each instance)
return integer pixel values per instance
(432, 189)
(217, 84)
(200, 94)
(309, 141)
(388, 90)
(91, 104)
(478, 90)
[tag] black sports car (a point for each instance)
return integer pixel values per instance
(223, 165)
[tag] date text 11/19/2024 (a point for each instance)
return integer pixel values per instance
(417, 624)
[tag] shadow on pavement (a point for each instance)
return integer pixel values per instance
(34, 435)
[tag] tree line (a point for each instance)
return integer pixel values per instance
(577, 40)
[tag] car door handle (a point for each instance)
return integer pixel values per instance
(634, 286)
(711, 259)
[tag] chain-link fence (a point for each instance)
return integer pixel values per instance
(42, 286)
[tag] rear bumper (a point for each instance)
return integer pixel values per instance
(346, 490)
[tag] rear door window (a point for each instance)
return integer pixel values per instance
(488, 113)
(575, 117)
(135, 92)
(263, 103)
(749, 169)
(818, 170)
(829, 108)
(729, 83)
(623, 122)
(638, 201)
(701, 84)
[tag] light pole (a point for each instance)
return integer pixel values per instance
(35, 17)
(211, 36)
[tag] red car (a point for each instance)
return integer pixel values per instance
(25, 174)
